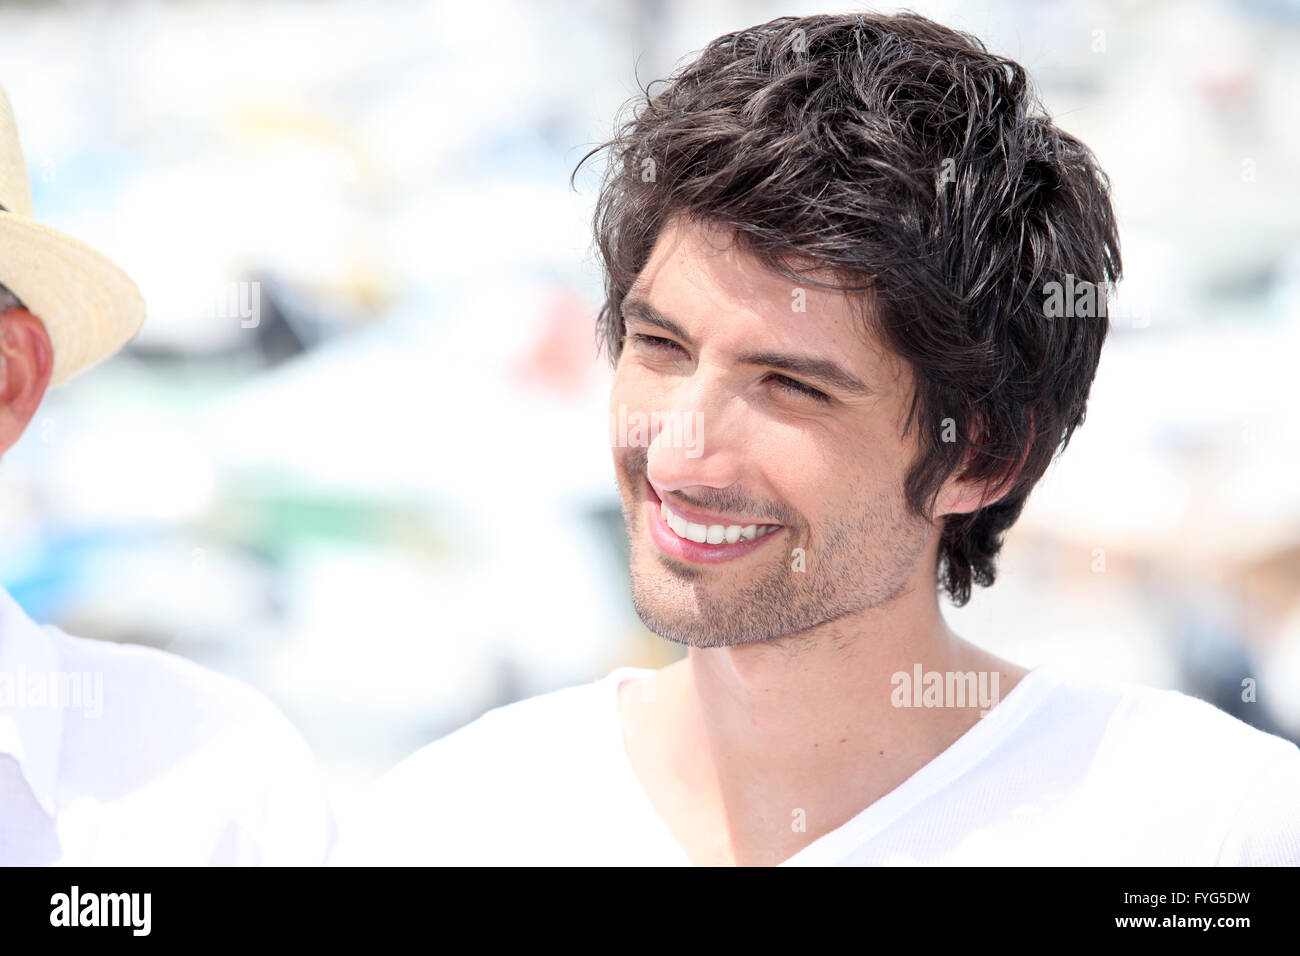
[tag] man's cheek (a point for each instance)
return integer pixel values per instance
(633, 420)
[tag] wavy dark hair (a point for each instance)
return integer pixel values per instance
(921, 172)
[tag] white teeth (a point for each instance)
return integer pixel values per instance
(714, 533)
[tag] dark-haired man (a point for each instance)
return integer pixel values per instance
(829, 239)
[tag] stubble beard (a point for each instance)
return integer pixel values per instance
(853, 565)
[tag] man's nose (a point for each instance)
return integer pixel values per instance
(698, 438)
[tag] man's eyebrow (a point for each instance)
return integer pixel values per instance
(643, 311)
(824, 370)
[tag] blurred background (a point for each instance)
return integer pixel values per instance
(358, 454)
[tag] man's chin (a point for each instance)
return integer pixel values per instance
(670, 607)
(689, 632)
(684, 618)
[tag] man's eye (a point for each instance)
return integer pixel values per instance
(799, 388)
(653, 341)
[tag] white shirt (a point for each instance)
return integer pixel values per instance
(1061, 771)
(116, 754)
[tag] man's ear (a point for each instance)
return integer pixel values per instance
(960, 495)
(26, 363)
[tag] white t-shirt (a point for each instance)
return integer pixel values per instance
(1061, 771)
(121, 755)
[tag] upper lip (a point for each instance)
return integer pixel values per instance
(699, 517)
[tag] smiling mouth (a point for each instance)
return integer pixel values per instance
(712, 533)
(699, 535)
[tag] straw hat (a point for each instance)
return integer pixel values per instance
(89, 306)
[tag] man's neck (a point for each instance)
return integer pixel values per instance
(752, 752)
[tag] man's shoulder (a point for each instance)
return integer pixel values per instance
(1154, 732)
(146, 711)
(1164, 760)
(1170, 726)
(122, 683)
(545, 728)
(217, 770)
(495, 788)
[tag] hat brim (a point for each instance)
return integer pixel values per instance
(88, 305)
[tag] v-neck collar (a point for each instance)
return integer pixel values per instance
(833, 847)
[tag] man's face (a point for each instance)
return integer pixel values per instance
(719, 358)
